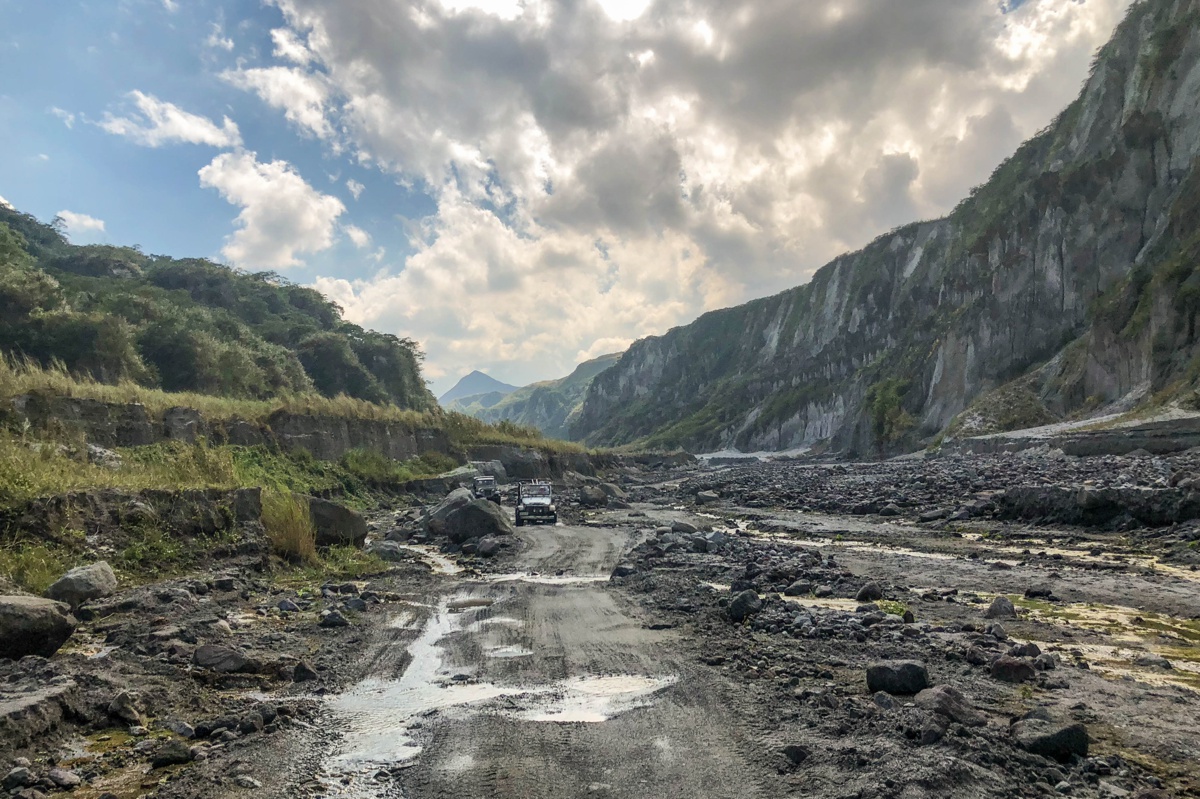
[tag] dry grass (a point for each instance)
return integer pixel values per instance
(289, 526)
(30, 469)
(23, 377)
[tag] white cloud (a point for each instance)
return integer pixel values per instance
(289, 47)
(170, 5)
(157, 122)
(217, 38)
(355, 187)
(80, 225)
(43, 157)
(633, 165)
(357, 235)
(67, 117)
(281, 216)
(302, 96)
(5, 203)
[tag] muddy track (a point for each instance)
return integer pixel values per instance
(541, 685)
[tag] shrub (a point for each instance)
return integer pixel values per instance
(289, 526)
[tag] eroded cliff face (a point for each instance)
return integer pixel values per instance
(1065, 269)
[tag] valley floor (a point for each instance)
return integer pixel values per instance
(721, 649)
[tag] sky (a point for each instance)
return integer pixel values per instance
(521, 185)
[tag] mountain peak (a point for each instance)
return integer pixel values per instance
(476, 382)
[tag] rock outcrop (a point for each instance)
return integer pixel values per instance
(1068, 270)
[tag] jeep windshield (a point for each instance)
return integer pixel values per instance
(535, 491)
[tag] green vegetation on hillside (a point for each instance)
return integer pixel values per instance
(117, 315)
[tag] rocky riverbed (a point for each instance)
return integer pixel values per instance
(844, 630)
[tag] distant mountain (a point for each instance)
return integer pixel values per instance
(475, 383)
(550, 406)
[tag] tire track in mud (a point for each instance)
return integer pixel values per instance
(582, 700)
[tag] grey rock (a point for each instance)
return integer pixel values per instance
(124, 706)
(390, 551)
(435, 521)
(33, 626)
(799, 588)
(18, 777)
(336, 524)
(624, 570)
(687, 528)
(477, 518)
(304, 672)
(172, 752)
(592, 496)
(223, 659)
(1001, 608)
(890, 509)
(288, 606)
(489, 546)
(948, 701)
(884, 700)
(1010, 669)
(1054, 740)
(870, 592)
(333, 619)
(903, 677)
(707, 497)
(83, 584)
(744, 605)
(795, 753)
(64, 778)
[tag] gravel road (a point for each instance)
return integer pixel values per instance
(540, 683)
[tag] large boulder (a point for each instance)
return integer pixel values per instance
(592, 496)
(31, 625)
(83, 584)
(477, 518)
(337, 525)
(435, 520)
(903, 677)
(744, 604)
(1055, 740)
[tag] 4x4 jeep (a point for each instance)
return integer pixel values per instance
(485, 488)
(535, 503)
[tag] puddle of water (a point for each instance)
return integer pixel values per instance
(437, 561)
(382, 717)
(507, 651)
(548, 579)
(592, 700)
(801, 539)
(829, 603)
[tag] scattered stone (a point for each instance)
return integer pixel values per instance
(795, 753)
(33, 626)
(172, 752)
(744, 605)
(304, 672)
(1010, 669)
(950, 702)
(1054, 740)
(890, 509)
(687, 528)
(490, 546)
(624, 570)
(19, 777)
(67, 780)
(389, 551)
(871, 592)
(707, 497)
(1001, 608)
(798, 588)
(288, 606)
(83, 584)
(125, 707)
(903, 677)
(223, 659)
(246, 781)
(331, 619)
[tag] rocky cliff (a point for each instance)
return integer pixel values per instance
(1068, 281)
